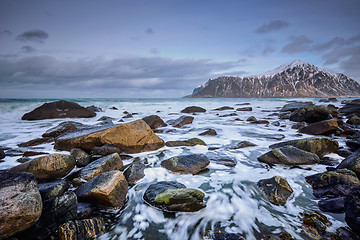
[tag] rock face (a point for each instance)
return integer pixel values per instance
(193, 109)
(20, 202)
(131, 137)
(47, 167)
(352, 210)
(276, 189)
(289, 155)
(187, 164)
(154, 121)
(319, 128)
(174, 196)
(59, 109)
(81, 229)
(297, 79)
(108, 189)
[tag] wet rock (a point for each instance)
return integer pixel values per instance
(295, 105)
(81, 157)
(289, 155)
(134, 173)
(335, 205)
(352, 210)
(223, 108)
(276, 189)
(47, 167)
(276, 123)
(324, 100)
(193, 109)
(210, 132)
(190, 142)
(20, 202)
(94, 108)
(354, 120)
(251, 119)
(106, 150)
(281, 236)
(131, 137)
(315, 224)
(260, 122)
(312, 114)
(114, 108)
(187, 164)
(35, 142)
(228, 115)
(106, 118)
(240, 144)
(319, 146)
(128, 116)
(276, 136)
(225, 236)
(23, 159)
(85, 210)
(344, 153)
(2, 154)
(174, 196)
(108, 189)
(242, 104)
(344, 233)
(97, 167)
(353, 144)
(299, 125)
(53, 189)
(154, 121)
(32, 153)
(351, 108)
(81, 229)
(352, 163)
(322, 127)
(181, 121)
(62, 128)
(244, 109)
(58, 109)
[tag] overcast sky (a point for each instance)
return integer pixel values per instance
(165, 48)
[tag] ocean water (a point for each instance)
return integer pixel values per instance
(234, 202)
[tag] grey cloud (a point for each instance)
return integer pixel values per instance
(36, 35)
(27, 49)
(298, 44)
(5, 33)
(273, 25)
(149, 31)
(267, 51)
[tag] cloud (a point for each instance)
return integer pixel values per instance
(273, 25)
(149, 31)
(36, 35)
(267, 51)
(5, 33)
(154, 51)
(27, 49)
(297, 44)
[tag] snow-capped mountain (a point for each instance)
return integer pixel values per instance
(296, 79)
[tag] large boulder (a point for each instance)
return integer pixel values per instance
(319, 146)
(351, 108)
(312, 114)
(187, 164)
(289, 155)
(154, 121)
(352, 210)
(174, 196)
(81, 229)
(20, 202)
(181, 121)
(276, 189)
(61, 129)
(335, 205)
(131, 137)
(47, 167)
(190, 143)
(193, 109)
(320, 128)
(58, 109)
(352, 162)
(295, 105)
(108, 189)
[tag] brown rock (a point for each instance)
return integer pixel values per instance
(154, 121)
(181, 121)
(81, 229)
(210, 132)
(35, 142)
(319, 128)
(276, 189)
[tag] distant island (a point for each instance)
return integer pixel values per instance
(296, 79)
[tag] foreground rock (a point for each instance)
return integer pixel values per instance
(190, 142)
(276, 189)
(131, 137)
(134, 173)
(315, 224)
(352, 163)
(154, 121)
(51, 166)
(108, 189)
(319, 146)
(181, 121)
(187, 164)
(352, 210)
(193, 109)
(320, 128)
(312, 114)
(53, 189)
(62, 128)
(59, 109)
(174, 196)
(20, 202)
(81, 229)
(81, 157)
(289, 155)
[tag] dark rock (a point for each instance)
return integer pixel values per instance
(312, 114)
(260, 122)
(128, 116)
(299, 125)
(35, 142)
(281, 236)
(181, 121)
(190, 142)
(20, 202)
(174, 196)
(353, 144)
(315, 224)
(352, 210)
(344, 153)
(2, 154)
(210, 132)
(354, 120)
(242, 104)
(228, 115)
(134, 173)
(223, 108)
(23, 159)
(240, 144)
(108, 189)
(94, 108)
(106, 118)
(251, 119)
(81, 229)
(344, 233)
(224, 161)
(106, 150)
(351, 108)
(244, 109)
(85, 210)
(322, 127)
(53, 189)
(276, 123)
(352, 163)
(59, 109)
(225, 236)
(332, 205)
(332, 99)
(193, 109)
(295, 105)
(276, 136)
(276, 189)
(81, 157)
(324, 100)
(187, 164)
(32, 153)
(61, 129)
(114, 108)
(154, 121)
(289, 155)
(319, 146)
(50, 166)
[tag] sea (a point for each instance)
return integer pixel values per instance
(234, 203)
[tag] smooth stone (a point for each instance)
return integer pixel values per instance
(106, 150)
(289, 155)
(351, 108)
(228, 115)
(94, 108)
(240, 144)
(276, 189)
(53, 189)
(62, 128)
(154, 121)
(224, 108)
(193, 109)
(32, 153)
(354, 120)
(315, 224)
(81, 229)
(134, 173)
(335, 205)
(276, 123)
(210, 132)
(313, 114)
(352, 163)
(190, 142)
(251, 119)
(85, 210)
(295, 105)
(225, 236)
(244, 109)
(353, 144)
(181, 121)
(106, 118)
(352, 210)
(186, 164)
(345, 233)
(81, 157)
(35, 142)
(2, 154)
(320, 128)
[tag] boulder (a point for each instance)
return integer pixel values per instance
(322, 127)
(315, 224)
(276, 189)
(32, 153)
(58, 109)
(351, 108)
(85, 210)
(62, 128)
(223, 108)
(353, 144)
(131, 137)
(50, 166)
(134, 173)
(295, 105)
(187, 164)
(239, 144)
(244, 109)
(289, 155)
(2, 154)
(251, 119)
(193, 109)
(319, 146)
(94, 108)
(97, 167)
(105, 150)
(352, 210)
(335, 205)
(210, 132)
(354, 120)
(106, 119)
(36, 141)
(299, 125)
(108, 189)
(81, 157)
(81, 229)
(312, 114)
(345, 233)
(20, 202)
(181, 121)
(53, 189)
(260, 122)
(154, 121)
(352, 163)
(190, 142)
(228, 115)
(174, 196)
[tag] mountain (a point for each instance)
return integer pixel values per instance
(296, 79)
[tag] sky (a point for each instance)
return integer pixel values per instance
(165, 48)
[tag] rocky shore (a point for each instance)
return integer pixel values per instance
(64, 196)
